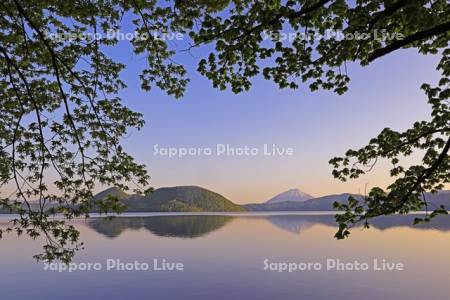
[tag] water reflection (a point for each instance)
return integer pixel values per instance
(227, 262)
(195, 226)
(298, 223)
(173, 226)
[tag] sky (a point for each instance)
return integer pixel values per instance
(317, 126)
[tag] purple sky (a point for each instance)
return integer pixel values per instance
(318, 126)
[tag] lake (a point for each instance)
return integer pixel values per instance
(237, 256)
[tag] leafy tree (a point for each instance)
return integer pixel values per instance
(61, 116)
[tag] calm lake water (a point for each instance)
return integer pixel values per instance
(223, 258)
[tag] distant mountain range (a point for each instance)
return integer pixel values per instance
(325, 203)
(320, 203)
(198, 199)
(293, 195)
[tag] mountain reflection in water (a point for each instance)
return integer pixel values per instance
(224, 257)
(192, 226)
(167, 226)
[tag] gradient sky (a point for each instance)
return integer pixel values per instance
(317, 125)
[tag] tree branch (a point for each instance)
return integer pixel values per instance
(421, 35)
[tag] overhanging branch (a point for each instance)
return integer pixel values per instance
(421, 35)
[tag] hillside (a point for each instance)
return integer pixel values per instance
(113, 191)
(178, 199)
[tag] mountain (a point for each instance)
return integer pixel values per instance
(198, 199)
(438, 199)
(320, 203)
(113, 191)
(175, 199)
(326, 203)
(293, 195)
